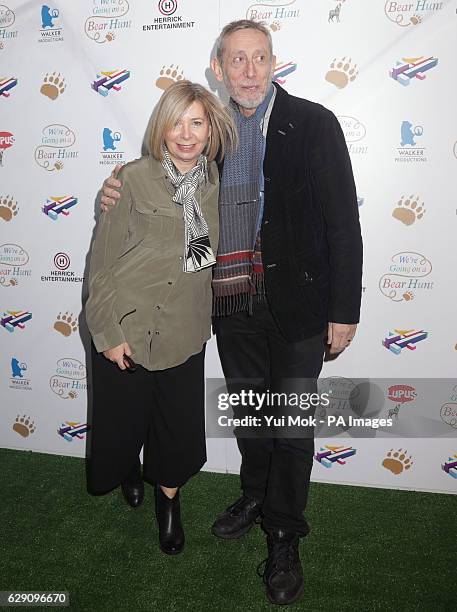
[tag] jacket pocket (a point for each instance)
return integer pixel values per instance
(156, 223)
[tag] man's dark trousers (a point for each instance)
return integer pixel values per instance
(276, 470)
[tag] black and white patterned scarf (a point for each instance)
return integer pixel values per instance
(197, 248)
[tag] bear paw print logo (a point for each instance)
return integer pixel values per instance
(109, 37)
(408, 296)
(275, 26)
(415, 19)
(408, 210)
(24, 426)
(168, 76)
(8, 208)
(53, 85)
(341, 73)
(65, 324)
(397, 461)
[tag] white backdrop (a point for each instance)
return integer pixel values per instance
(384, 68)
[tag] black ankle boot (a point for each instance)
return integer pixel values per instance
(168, 513)
(133, 487)
(283, 574)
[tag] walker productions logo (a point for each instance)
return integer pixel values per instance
(69, 430)
(7, 19)
(399, 339)
(56, 146)
(282, 70)
(408, 210)
(18, 379)
(410, 68)
(170, 18)
(56, 206)
(53, 85)
(15, 319)
(409, 151)
(70, 378)
(50, 31)
(342, 72)
(334, 13)
(6, 85)
(61, 273)
(6, 141)
(109, 80)
(107, 19)
(275, 13)
(402, 281)
(450, 466)
(406, 14)
(66, 324)
(354, 133)
(13, 262)
(169, 75)
(110, 154)
(448, 411)
(328, 456)
(24, 426)
(397, 461)
(399, 394)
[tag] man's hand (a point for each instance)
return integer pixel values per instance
(109, 190)
(116, 354)
(340, 336)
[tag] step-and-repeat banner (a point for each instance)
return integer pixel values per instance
(78, 82)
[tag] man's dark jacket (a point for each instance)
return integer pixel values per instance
(310, 234)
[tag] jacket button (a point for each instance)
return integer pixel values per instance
(273, 265)
(157, 307)
(157, 333)
(170, 282)
(154, 210)
(267, 179)
(266, 222)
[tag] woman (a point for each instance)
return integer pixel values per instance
(149, 308)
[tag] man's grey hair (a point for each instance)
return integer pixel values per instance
(242, 24)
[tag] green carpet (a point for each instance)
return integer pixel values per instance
(369, 549)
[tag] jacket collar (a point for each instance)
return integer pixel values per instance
(158, 171)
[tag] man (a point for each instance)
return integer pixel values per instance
(288, 271)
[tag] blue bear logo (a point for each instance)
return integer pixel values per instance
(408, 133)
(17, 368)
(109, 139)
(47, 16)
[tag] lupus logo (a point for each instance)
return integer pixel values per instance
(56, 206)
(13, 259)
(409, 151)
(69, 430)
(399, 339)
(328, 456)
(6, 141)
(407, 265)
(410, 68)
(409, 209)
(7, 19)
(18, 380)
(406, 14)
(354, 134)
(49, 31)
(56, 145)
(13, 319)
(6, 85)
(400, 394)
(106, 20)
(110, 154)
(274, 12)
(282, 70)
(450, 466)
(69, 379)
(397, 461)
(107, 81)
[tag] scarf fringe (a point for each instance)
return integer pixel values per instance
(225, 305)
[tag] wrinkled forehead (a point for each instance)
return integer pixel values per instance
(245, 41)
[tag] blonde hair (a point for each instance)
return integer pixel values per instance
(241, 24)
(175, 101)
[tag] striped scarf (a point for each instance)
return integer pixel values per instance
(238, 274)
(197, 248)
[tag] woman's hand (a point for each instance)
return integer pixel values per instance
(116, 354)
